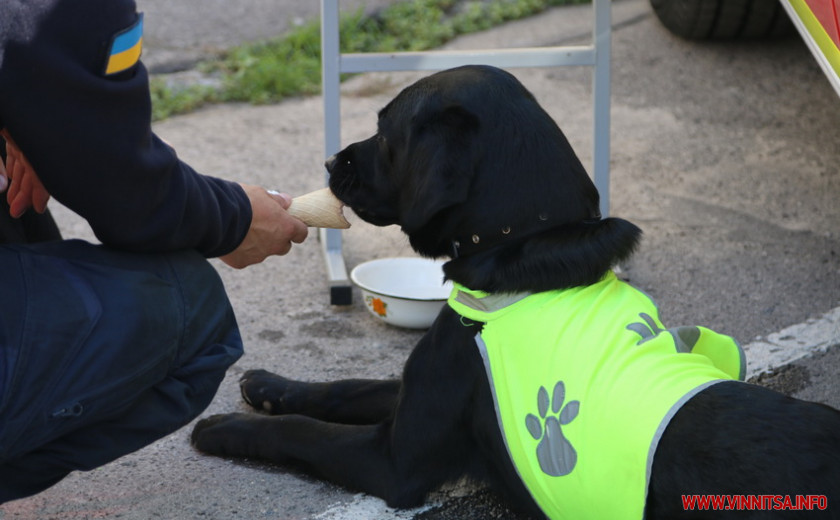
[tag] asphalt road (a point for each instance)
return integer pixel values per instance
(725, 154)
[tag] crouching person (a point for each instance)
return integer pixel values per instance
(102, 353)
(106, 348)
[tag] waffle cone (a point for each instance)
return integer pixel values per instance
(319, 208)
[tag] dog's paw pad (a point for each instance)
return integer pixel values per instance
(556, 455)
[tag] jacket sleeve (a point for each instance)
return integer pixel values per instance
(88, 134)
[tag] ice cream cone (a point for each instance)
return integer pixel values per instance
(319, 208)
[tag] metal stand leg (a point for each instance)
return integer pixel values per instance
(602, 41)
(341, 292)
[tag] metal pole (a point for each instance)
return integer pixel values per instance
(601, 99)
(340, 288)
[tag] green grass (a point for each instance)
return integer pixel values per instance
(272, 70)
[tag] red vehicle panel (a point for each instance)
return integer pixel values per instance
(818, 21)
(828, 14)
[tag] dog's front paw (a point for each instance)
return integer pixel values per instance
(265, 391)
(242, 435)
(222, 435)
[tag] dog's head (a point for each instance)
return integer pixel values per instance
(465, 161)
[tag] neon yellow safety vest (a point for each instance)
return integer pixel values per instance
(585, 380)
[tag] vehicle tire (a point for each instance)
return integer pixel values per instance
(723, 19)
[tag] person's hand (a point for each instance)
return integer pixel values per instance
(24, 187)
(272, 230)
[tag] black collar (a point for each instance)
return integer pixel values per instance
(466, 245)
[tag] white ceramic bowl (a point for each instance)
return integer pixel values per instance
(405, 291)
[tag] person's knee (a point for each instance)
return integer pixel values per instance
(211, 341)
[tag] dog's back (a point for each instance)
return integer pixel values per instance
(739, 442)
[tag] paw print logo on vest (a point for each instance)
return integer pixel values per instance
(685, 338)
(556, 455)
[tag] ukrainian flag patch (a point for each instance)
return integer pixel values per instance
(126, 46)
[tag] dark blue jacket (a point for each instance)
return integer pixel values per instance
(88, 135)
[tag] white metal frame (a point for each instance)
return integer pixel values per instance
(334, 63)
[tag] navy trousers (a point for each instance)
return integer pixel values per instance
(101, 353)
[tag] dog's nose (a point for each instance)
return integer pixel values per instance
(330, 163)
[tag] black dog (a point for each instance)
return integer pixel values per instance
(470, 167)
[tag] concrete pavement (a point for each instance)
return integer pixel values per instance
(725, 154)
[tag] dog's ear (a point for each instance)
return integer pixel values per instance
(439, 166)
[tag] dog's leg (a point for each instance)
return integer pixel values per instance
(353, 401)
(427, 442)
(353, 456)
(399, 461)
